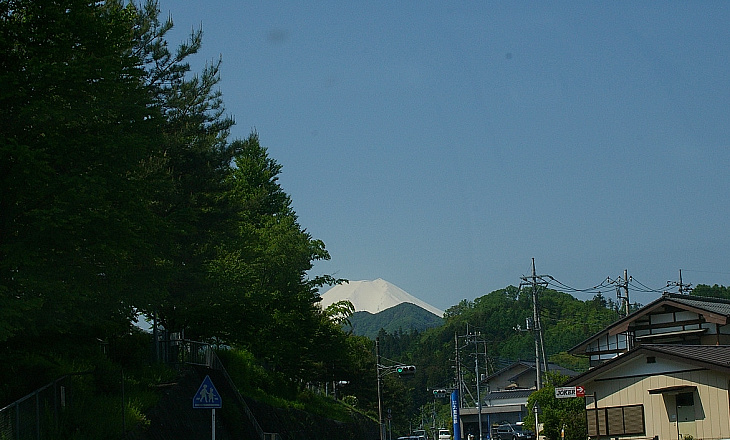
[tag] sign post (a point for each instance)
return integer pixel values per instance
(207, 397)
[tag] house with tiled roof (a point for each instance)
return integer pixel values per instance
(660, 391)
(671, 319)
(662, 372)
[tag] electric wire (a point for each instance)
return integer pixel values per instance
(560, 286)
(603, 286)
(644, 288)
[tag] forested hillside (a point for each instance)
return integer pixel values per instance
(403, 317)
(496, 317)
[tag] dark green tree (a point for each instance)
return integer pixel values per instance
(262, 298)
(557, 414)
(190, 166)
(233, 259)
(715, 291)
(76, 124)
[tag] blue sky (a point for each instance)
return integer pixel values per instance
(443, 145)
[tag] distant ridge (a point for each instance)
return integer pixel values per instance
(404, 317)
(374, 296)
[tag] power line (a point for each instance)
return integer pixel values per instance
(636, 285)
(562, 287)
(707, 271)
(644, 288)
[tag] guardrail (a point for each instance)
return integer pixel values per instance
(38, 414)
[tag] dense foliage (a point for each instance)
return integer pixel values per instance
(560, 418)
(495, 317)
(122, 195)
(715, 291)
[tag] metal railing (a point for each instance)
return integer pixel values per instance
(216, 364)
(38, 415)
(180, 352)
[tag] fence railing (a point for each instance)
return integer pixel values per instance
(38, 415)
(179, 352)
(216, 364)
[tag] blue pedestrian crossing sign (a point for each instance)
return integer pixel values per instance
(207, 396)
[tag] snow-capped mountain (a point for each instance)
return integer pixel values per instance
(374, 296)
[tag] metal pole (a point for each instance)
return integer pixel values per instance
(37, 416)
(535, 329)
(212, 416)
(627, 307)
(124, 420)
(458, 367)
(626, 291)
(380, 398)
(479, 398)
(17, 421)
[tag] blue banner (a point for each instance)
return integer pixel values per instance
(455, 414)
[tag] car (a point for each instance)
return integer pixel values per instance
(508, 431)
(444, 434)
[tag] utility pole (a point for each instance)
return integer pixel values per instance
(536, 280)
(380, 386)
(625, 309)
(683, 288)
(460, 384)
(461, 387)
(403, 370)
(458, 368)
(623, 283)
(479, 397)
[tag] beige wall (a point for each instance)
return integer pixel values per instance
(712, 407)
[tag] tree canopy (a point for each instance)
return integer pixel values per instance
(122, 193)
(557, 416)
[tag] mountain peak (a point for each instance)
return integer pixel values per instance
(374, 296)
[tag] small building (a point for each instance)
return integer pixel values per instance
(662, 372)
(505, 400)
(660, 391)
